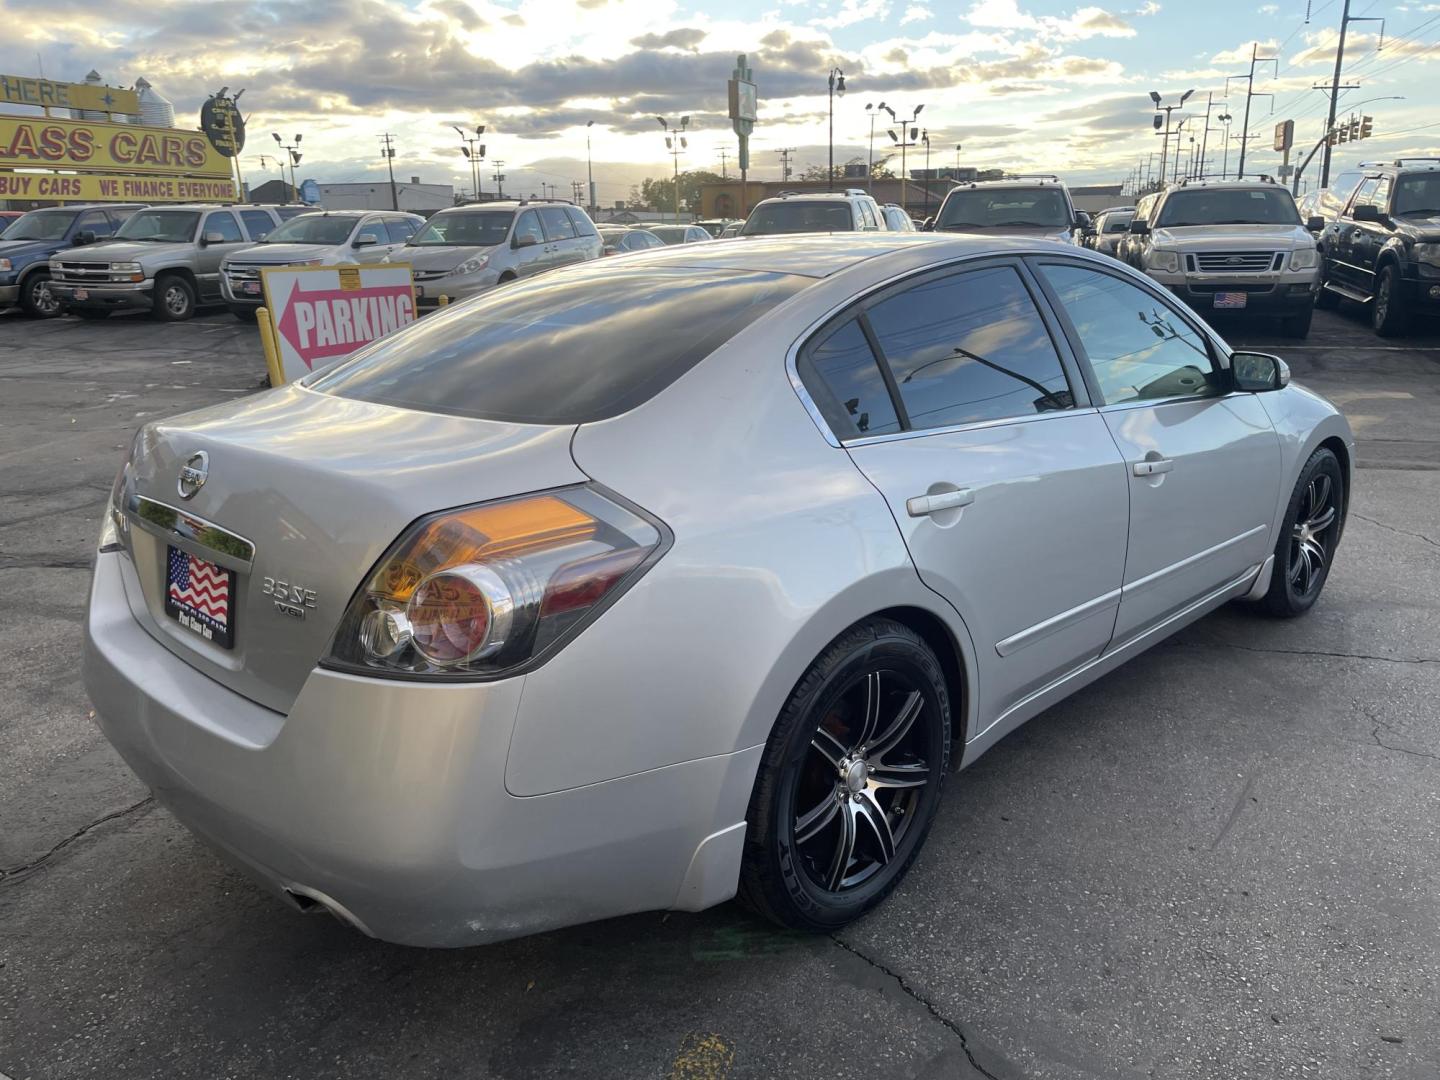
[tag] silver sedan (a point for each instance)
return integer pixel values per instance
(644, 583)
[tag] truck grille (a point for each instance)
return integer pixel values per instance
(242, 273)
(1237, 262)
(81, 273)
(428, 275)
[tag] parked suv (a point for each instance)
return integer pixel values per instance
(1384, 247)
(322, 238)
(851, 210)
(1031, 206)
(164, 260)
(466, 250)
(1230, 245)
(31, 239)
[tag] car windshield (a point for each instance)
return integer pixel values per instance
(670, 234)
(40, 225)
(1419, 194)
(312, 229)
(563, 348)
(799, 217)
(1233, 206)
(988, 208)
(477, 228)
(165, 226)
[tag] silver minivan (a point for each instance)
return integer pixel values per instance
(468, 249)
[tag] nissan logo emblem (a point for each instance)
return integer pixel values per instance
(193, 474)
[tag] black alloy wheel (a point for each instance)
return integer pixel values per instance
(1307, 542)
(1388, 316)
(850, 780)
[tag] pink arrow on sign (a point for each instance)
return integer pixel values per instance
(326, 323)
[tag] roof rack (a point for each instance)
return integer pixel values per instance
(1402, 160)
(1032, 176)
(855, 191)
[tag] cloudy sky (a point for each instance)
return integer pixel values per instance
(1022, 85)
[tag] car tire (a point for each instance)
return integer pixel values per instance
(1388, 316)
(244, 314)
(174, 298)
(850, 780)
(1298, 325)
(92, 313)
(1305, 549)
(36, 299)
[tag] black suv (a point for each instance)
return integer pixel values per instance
(1383, 249)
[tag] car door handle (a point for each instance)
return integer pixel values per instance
(921, 505)
(1153, 467)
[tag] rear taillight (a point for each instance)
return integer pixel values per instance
(489, 589)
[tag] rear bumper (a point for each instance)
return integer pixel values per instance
(138, 296)
(386, 802)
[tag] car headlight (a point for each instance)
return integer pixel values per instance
(1304, 259)
(472, 266)
(4, 264)
(1165, 261)
(125, 267)
(1426, 253)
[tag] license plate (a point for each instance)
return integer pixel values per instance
(200, 596)
(252, 288)
(82, 294)
(1231, 299)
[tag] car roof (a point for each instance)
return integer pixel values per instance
(820, 255)
(1399, 165)
(1226, 185)
(1011, 182)
(787, 196)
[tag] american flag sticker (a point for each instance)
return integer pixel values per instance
(197, 596)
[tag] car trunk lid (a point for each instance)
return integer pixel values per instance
(302, 495)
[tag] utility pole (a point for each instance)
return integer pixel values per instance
(499, 178)
(1335, 87)
(724, 153)
(1205, 135)
(785, 153)
(1255, 58)
(387, 151)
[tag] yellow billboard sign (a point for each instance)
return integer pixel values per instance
(92, 188)
(41, 142)
(19, 90)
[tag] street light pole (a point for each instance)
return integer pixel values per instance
(293, 150)
(908, 133)
(589, 170)
(675, 144)
(1167, 109)
(925, 138)
(837, 85)
(468, 148)
(872, 111)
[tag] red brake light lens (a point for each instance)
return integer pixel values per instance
(486, 589)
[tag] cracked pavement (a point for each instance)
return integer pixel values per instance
(1219, 861)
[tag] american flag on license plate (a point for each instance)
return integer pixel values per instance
(200, 586)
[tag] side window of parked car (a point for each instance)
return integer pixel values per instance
(583, 225)
(399, 229)
(1139, 347)
(96, 222)
(846, 382)
(257, 223)
(868, 213)
(969, 346)
(528, 225)
(224, 223)
(557, 223)
(1380, 197)
(1364, 191)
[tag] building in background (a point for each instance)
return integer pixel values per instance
(413, 196)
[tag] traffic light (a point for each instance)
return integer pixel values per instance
(1342, 133)
(1367, 126)
(1354, 129)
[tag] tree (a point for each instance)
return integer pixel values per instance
(658, 193)
(878, 171)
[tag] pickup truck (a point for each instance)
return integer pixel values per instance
(28, 243)
(164, 260)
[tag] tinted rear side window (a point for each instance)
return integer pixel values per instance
(569, 348)
(845, 380)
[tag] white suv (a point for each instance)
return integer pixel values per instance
(851, 210)
(1230, 245)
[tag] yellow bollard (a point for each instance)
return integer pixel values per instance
(444, 301)
(272, 351)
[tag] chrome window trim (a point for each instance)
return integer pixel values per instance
(188, 532)
(792, 355)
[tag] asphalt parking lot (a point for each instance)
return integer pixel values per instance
(1218, 862)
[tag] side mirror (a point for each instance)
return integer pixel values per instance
(928, 225)
(83, 237)
(1255, 372)
(212, 238)
(523, 241)
(1084, 221)
(1315, 223)
(1367, 212)
(1140, 227)
(366, 239)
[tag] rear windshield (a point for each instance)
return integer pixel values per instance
(570, 348)
(993, 208)
(1232, 206)
(799, 217)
